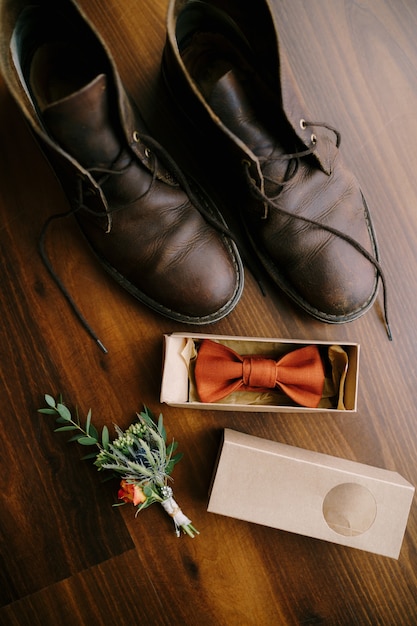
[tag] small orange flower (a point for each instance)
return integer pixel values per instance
(130, 492)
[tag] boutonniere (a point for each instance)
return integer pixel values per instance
(138, 456)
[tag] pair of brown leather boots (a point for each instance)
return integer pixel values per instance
(153, 229)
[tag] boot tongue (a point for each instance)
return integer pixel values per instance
(82, 125)
(230, 102)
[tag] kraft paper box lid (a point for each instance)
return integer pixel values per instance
(177, 380)
(311, 494)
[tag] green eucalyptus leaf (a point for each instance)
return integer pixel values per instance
(93, 432)
(147, 491)
(172, 462)
(88, 422)
(87, 441)
(50, 400)
(76, 437)
(172, 447)
(147, 416)
(162, 448)
(61, 420)
(87, 457)
(161, 428)
(105, 437)
(47, 411)
(64, 412)
(64, 428)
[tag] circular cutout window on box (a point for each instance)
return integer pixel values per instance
(349, 509)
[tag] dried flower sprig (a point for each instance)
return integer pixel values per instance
(139, 456)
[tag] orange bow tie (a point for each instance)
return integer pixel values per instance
(220, 371)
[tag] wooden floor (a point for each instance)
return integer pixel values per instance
(68, 557)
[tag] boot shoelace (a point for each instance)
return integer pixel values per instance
(153, 148)
(269, 203)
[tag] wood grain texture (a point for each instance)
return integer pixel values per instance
(68, 557)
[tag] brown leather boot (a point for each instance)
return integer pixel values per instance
(304, 212)
(151, 228)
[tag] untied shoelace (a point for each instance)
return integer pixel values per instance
(153, 148)
(268, 203)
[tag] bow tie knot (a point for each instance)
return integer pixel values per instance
(259, 372)
(219, 371)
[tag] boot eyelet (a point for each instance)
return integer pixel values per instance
(136, 137)
(303, 124)
(147, 153)
(313, 139)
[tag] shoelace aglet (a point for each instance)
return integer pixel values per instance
(101, 346)
(389, 333)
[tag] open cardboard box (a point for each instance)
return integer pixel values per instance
(178, 389)
(310, 493)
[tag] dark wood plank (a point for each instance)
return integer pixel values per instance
(67, 556)
(96, 596)
(51, 501)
